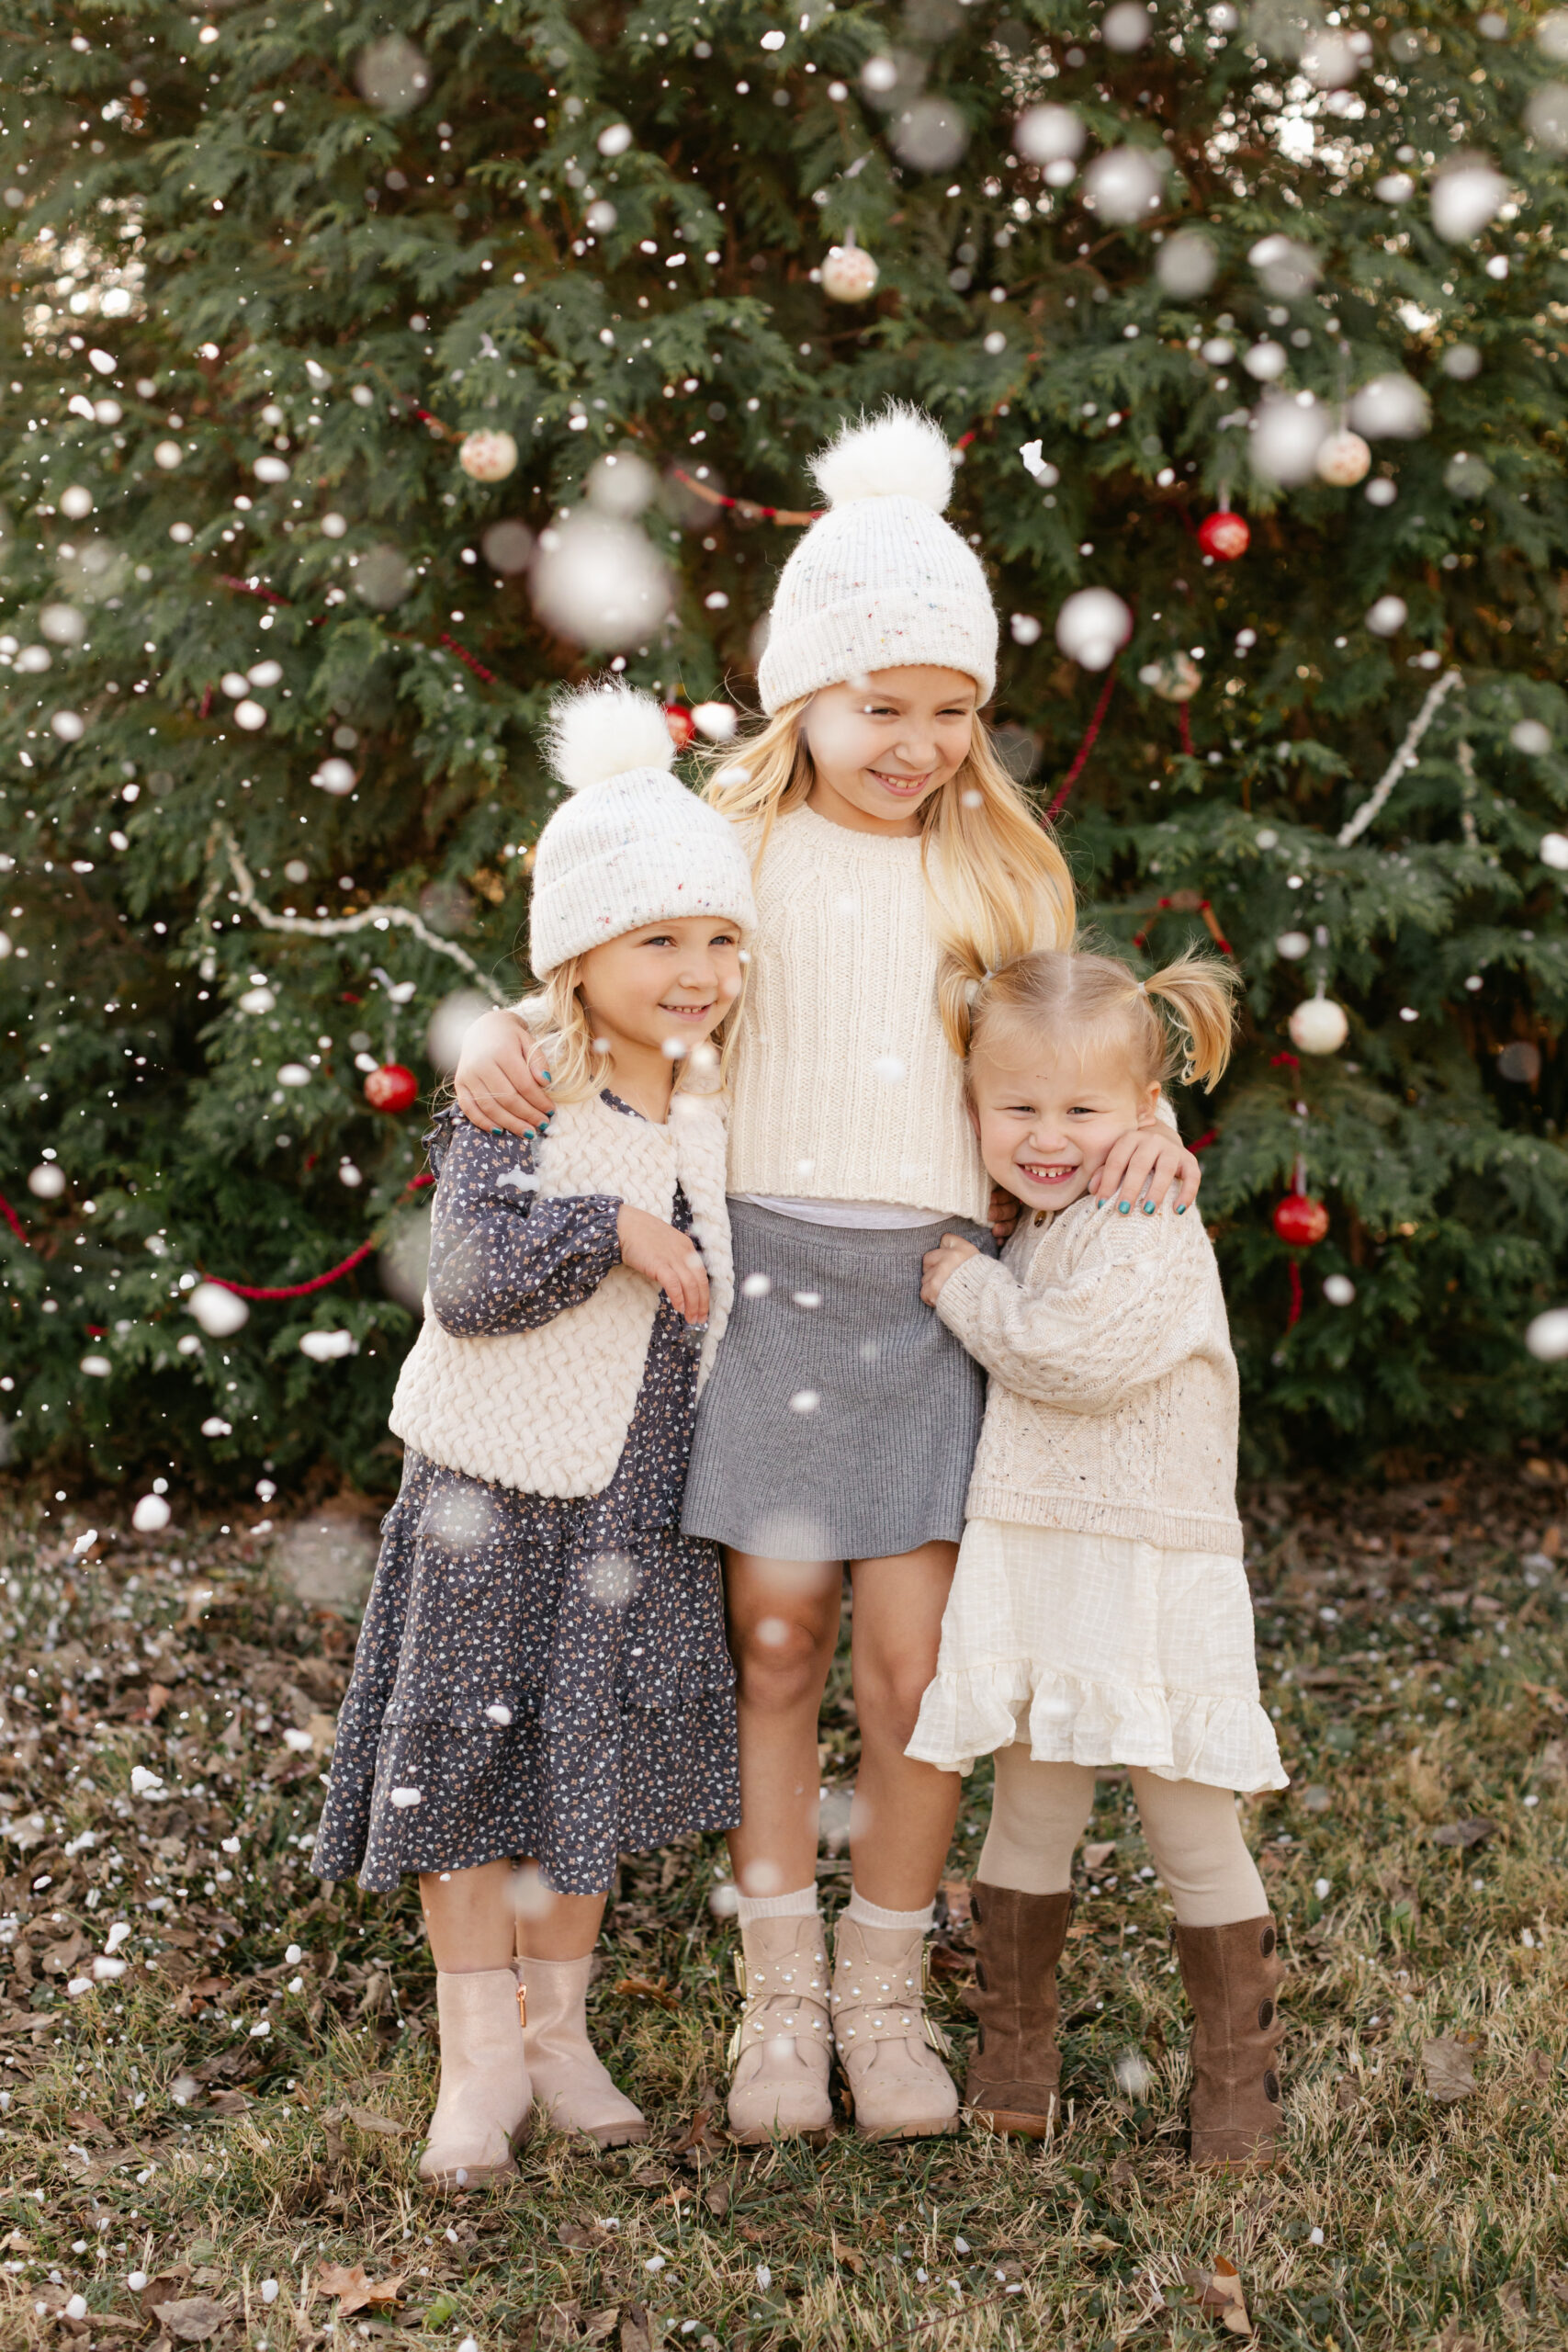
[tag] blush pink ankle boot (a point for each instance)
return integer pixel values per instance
(570, 2084)
(481, 2113)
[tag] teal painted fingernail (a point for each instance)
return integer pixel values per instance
(549, 1074)
(1124, 1207)
(527, 1131)
(1182, 1208)
(1148, 1208)
(497, 1131)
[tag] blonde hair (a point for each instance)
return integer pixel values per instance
(1099, 1000)
(579, 1068)
(1001, 883)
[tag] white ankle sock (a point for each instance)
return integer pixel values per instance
(801, 1905)
(871, 1915)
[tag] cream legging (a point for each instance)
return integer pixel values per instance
(1039, 1812)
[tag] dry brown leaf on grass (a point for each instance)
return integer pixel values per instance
(647, 1989)
(1218, 2292)
(192, 2319)
(357, 2292)
(1473, 1832)
(958, 1896)
(1448, 2064)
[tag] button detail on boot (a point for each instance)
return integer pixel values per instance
(1232, 1975)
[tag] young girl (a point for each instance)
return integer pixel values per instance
(893, 854)
(542, 1674)
(1101, 1613)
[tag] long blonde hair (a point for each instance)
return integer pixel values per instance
(579, 1066)
(1001, 884)
(1101, 1004)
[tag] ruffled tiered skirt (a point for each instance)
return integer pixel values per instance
(1099, 1650)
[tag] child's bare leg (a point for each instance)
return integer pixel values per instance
(783, 1626)
(469, 1916)
(559, 1926)
(903, 1810)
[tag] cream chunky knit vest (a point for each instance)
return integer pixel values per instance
(844, 1086)
(548, 1411)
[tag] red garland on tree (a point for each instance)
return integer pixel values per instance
(1224, 536)
(680, 723)
(1300, 1220)
(393, 1087)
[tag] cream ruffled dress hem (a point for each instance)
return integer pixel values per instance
(1227, 1743)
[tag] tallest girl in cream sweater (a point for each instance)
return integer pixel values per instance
(895, 857)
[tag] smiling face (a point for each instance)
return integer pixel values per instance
(881, 748)
(666, 985)
(1046, 1110)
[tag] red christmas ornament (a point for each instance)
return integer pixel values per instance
(1301, 1220)
(1224, 536)
(390, 1088)
(680, 723)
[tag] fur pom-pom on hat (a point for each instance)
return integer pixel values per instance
(881, 581)
(903, 453)
(603, 730)
(631, 845)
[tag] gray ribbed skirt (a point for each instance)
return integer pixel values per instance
(841, 1418)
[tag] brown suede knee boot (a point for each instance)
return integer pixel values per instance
(1017, 2068)
(1233, 1976)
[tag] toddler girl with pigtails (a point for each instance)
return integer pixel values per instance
(1100, 1615)
(893, 856)
(542, 1676)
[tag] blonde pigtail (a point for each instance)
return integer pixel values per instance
(1199, 993)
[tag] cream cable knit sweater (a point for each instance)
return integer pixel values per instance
(1113, 1401)
(546, 1411)
(843, 1086)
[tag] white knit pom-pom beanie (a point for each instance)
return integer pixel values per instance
(880, 581)
(631, 845)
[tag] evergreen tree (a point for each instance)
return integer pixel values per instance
(276, 658)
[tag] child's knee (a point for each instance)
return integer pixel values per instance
(780, 1661)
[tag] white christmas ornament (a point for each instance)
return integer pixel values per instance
(488, 457)
(1554, 852)
(1265, 360)
(1338, 1290)
(1343, 460)
(1547, 1338)
(849, 273)
(1395, 188)
(46, 1182)
(1176, 678)
(249, 715)
(1286, 436)
(1388, 616)
(1126, 25)
(150, 1515)
(324, 1347)
(620, 482)
(1186, 263)
(334, 776)
(220, 1312)
(1285, 267)
(1529, 735)
(1546, 117)
(1318, 1026)
(450, 1023)
(1551, 36)
(1466, 195)
(1092, 627)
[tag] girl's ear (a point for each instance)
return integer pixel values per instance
(1149, 1107)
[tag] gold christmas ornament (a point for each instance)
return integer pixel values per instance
(1343, 459)
(488, 457)
(1318, 1026)
(849, 273)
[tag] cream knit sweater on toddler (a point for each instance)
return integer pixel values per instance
(1100, 1610)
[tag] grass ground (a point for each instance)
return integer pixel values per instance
(239, 2108)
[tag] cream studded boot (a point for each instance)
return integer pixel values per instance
(781, 2049)
(887, 2045)
(570, 2084)
(481, 2113)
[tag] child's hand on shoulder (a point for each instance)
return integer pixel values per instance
(1002, 1215)
(666, 1259)
(942, 1261)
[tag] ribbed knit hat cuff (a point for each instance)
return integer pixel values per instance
(848, 640)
